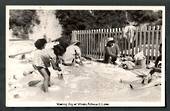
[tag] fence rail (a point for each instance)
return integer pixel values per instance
(93, 41)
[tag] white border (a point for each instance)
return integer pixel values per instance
(57, 7)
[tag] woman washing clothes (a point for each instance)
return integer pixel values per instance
(111, 51)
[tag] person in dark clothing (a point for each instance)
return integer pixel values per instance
(111, 52)
(159, 58)
(157, 68)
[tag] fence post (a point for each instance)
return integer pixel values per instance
(128, 44)
(90, 41)
(144, 43)
(153, 45)
(157, 45)
(74, 37)
(160, 39)
(136, 37)
(148, 47)
(140, 40)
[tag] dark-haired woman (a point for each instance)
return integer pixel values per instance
(111, 52)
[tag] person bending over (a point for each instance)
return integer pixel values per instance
(41, 62)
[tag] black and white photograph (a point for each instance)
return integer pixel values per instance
(85, 56)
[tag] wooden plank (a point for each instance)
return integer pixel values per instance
(118, 34)
(110, 32)
(101, 55)
(99, 44)
(132, 45)
(153, 44)
(148, 44)
(91, 45)
(87, 42)
(95, 44)
(84, 39)
(84, 49)
(80, 37)
(157, 45)
(144, 42)
(118, 38)
(90, 42)
(128, 44)
(125, 45)
(136, 45)
(104, 41)
(88, 37)
(140, 40)
(76, 35)
(122, 42)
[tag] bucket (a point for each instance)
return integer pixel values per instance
(141, 63)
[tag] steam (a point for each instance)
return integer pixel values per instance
(49, 26)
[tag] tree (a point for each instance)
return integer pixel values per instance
(145, 16)
(20, 22)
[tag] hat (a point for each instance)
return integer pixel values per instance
(110, 39)
(75, 42)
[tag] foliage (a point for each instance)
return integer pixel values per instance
(21, 22)
(147, 16)
(100, 19)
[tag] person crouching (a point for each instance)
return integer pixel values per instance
(59, 50)
(111, 52)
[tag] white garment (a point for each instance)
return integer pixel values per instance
(129, 32)
(42, 57)
(69, 55)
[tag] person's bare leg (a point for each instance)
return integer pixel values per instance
(49, 82)
(44, 73)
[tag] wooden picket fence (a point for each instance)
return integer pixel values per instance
(93, 41)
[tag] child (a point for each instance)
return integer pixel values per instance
(41, 62)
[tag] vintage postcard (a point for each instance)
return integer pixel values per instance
(85, 56)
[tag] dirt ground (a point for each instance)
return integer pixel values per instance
(91, 82)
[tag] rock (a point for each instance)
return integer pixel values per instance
(60, 76)
(33, 83)
(25, 73)
(14, 77)
(76, 65)
(16, 95)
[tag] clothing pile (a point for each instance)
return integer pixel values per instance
(129, 63)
